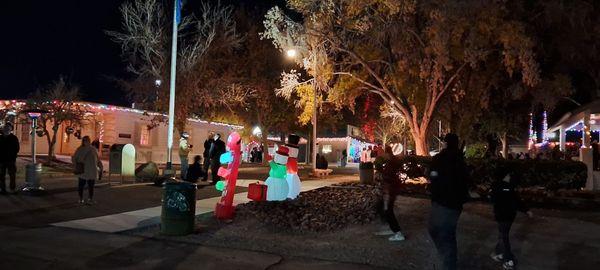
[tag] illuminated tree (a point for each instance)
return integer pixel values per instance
(59, 99)
(412, 54)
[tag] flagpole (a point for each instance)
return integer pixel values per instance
(172, 90)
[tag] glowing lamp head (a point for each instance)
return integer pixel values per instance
(34, 115)
(291, 53)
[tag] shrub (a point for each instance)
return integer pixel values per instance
(476, 150)
(551, 175)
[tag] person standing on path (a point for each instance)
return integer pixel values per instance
(506, 203)
(184, 150)
(449, 191)
(88, 168)
(9, 148)
(344, 158)
(391, 190)
(217, 149)
(206, 154)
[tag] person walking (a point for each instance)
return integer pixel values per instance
(206, 154)
(506, 203)
(449, 191)
(9, 145)
(184, 150)
(88, 168)
(391, 190)
(216, 150)
(344, 158)
(195, 171)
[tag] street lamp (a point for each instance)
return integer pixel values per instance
(32, 170)
(256, 131)
(292, 53)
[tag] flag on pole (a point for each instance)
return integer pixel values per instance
(178, 12)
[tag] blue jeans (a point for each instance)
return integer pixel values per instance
(442, 229)
(184, 166)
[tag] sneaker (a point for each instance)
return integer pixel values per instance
(508, 265)
(384, 232)
(397, 237)
(90, 202)
(81, 201)
(497, 257)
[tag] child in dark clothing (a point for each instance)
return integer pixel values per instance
(195, 171)
(506, 204)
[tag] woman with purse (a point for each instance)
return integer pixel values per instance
(88, 168)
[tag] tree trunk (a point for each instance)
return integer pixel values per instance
(52, 144)
(504, 141)
(421, 146)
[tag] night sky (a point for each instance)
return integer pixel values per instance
(44, 39)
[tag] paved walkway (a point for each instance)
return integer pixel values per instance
(151, 216)
(65, 249)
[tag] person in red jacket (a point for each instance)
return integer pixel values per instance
(391, 190)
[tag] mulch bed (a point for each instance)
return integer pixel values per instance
(323, 209)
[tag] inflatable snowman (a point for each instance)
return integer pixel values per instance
(292, 178)
(277, 186)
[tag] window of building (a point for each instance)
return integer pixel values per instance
(144, 136)
(327, 149)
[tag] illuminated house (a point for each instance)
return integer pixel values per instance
(121, 125)
(332, 147)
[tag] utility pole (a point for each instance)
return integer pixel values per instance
(170, 130)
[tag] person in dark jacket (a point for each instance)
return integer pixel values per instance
(391, 190)
(449, 191)
(195, 171)
(506, 204)
(9, 143)
(216, 150)
(206, 154)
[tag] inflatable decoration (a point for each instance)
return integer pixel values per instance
(257, 192)
(224, 208)
(277, 187)
(292, 178)
(220, 186)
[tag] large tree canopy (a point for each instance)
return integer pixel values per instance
(413, 53)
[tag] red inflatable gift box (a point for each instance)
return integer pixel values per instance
(257, 192)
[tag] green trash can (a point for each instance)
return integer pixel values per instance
(178, 208)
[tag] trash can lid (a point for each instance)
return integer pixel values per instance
(180, 185)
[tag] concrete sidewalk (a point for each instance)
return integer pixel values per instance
(62, 248)
(151, 216)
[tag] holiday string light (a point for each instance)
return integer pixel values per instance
(103, 107)
(545, 127)
(531, 141)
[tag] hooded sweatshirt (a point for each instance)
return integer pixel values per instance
(449, 179)
(506, 201)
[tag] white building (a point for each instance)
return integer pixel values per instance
(121, 125)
